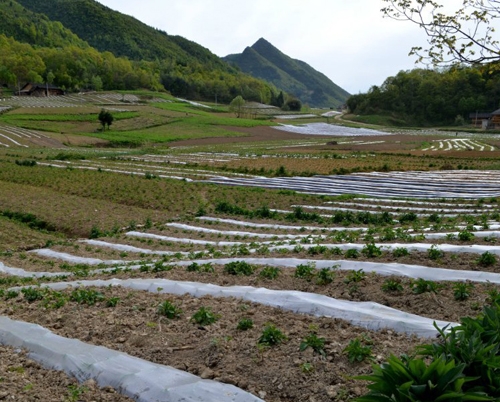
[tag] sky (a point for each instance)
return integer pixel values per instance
(347, 40)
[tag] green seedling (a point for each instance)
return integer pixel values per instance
(169, 310)
(205, 316)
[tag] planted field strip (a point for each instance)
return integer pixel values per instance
(432, 185)
(150, 170)
(432, 204)
(367, 315)
(459, 144)
(392, 210)
(186, 263)
(45, 102)
(15, 136)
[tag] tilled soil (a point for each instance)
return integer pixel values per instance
(220, 351)
(22, 379)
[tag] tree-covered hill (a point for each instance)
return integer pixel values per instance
(36, 29)
(296, 77)
(137, 55)
(430, 97)
(120, 34)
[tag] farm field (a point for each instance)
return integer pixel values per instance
(235, 260)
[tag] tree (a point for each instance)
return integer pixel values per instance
(236, 106)
(106, 118)
(464, 35)
(293, 104)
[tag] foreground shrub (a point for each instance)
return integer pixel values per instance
(238, 268)
(408, 380)
(463, 364)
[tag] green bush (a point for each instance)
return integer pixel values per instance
(325, 276)
(370, 250)
(392, 285)
(205, 316)
(169, 310)
(245, 324)
(411, 380)
(487, 259)
(271, 336)
(313, 341)
(305, 271)
(238, 268)
(358, 349)
(270, 272)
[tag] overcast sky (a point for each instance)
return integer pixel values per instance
(347, 40)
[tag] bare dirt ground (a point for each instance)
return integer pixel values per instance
(220, 351)
(22, 379)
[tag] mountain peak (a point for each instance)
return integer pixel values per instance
(265, 61)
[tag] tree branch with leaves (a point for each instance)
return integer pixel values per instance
(464, 34)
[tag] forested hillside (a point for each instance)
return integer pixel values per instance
(426, 97)
(265, 61)
(129, 55)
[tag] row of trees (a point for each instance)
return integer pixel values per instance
(73, 68)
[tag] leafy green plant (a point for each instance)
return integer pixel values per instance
(435, 253)
(462, 290)
(238, 268)
(245, 324)
(32, 294)
(11, 294)
(305, 271)
(358, 349)
(169, 310)
(411, 380)
(388, 235)
(205, 316)
(325, 276)
(352, 253)
(86, 296)
(306, 367)
(400, 252)
(487, 259)
(270, 272)
(193, 267)
(159, 266)
(355, 276)
(313, 341)
(75, 392)
(392, 285)
(465, 235)
(54, 299)
(112, 301)
(370, 250)
(421, 285)
(271, 336)
(317, 250)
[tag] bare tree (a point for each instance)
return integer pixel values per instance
(464, 34)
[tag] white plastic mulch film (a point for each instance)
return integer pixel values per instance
(369, 315)
(137, 378)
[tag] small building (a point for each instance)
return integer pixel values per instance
(486, 120)
(39, 90)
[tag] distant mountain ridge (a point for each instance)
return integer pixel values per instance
(263, 60)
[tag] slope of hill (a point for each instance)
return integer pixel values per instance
(263, 60)
(120, 34)
(183, 67)
(34, 28)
